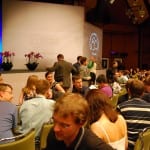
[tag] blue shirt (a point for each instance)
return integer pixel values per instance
(8, 119)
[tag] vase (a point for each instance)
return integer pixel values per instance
(32, 66)
(6, 66)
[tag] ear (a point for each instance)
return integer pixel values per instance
(1, 95)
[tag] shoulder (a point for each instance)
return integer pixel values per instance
(53, 142)
(91, 141)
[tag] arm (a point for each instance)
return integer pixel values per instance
(59, 88)
(21, 98)
(53, 68)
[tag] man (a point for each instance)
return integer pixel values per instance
(146, 95)
(70, 115)
(36, 111)
(78, 86)
(63, 70)
(136, 111)
(8, 112)
(77, 65)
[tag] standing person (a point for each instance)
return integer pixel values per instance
(105, 122)
(84, 71)
(36, 111)
(136, 112)
(78, 86)
(92, 67)
(63, 70)
(8, 112)
(70, 115)
(29, 91)
(77, 66)
(57, 89)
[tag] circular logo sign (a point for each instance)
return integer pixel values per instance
(94, 43)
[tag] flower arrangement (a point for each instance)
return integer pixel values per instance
(7, 59)
(7, 56)
(33, 57)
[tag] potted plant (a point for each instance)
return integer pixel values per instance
(32, 59)
(7, 59)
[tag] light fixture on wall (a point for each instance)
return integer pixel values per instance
(137, 11)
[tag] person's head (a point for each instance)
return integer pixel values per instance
(101, 79)
(43, 87)
(49, 76)
(115, 64)
(60, 57)
(147, 84)
(70, 114)
(79, 58)
(77, 82)
(136, 88)
(6, 92)
(99, 104)
(31, 81)
(83, 61)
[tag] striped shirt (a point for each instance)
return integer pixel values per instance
(137, 115)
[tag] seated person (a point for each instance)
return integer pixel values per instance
(136, 112)
(125, 96)
(105, 122)
(103, 85)
(8, 112)
(78, 86)
(146, 95)
(70, 115)
(36, 111)
(57, 89)
(29, 90)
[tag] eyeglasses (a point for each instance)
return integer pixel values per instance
(10, 92)
(62, 125)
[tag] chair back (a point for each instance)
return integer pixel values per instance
(22, 142)
(143, 141)
(44, 133)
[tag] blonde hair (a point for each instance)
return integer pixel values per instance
(31, 83)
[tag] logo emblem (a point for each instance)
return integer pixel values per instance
(94, 43)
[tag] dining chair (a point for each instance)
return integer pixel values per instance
(44, 133)
(21, 142)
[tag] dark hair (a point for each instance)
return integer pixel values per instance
(83, 59)
(101, 79)
(60, 56)
(47, 73)
(99, 104)
(78, 58)
(76, 77)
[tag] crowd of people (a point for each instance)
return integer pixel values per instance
(82, 114)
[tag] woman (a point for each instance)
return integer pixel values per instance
(104, 86)
(57, 89)
(105, 122)
(29, 91)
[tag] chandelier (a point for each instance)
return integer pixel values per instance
(137, 11)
